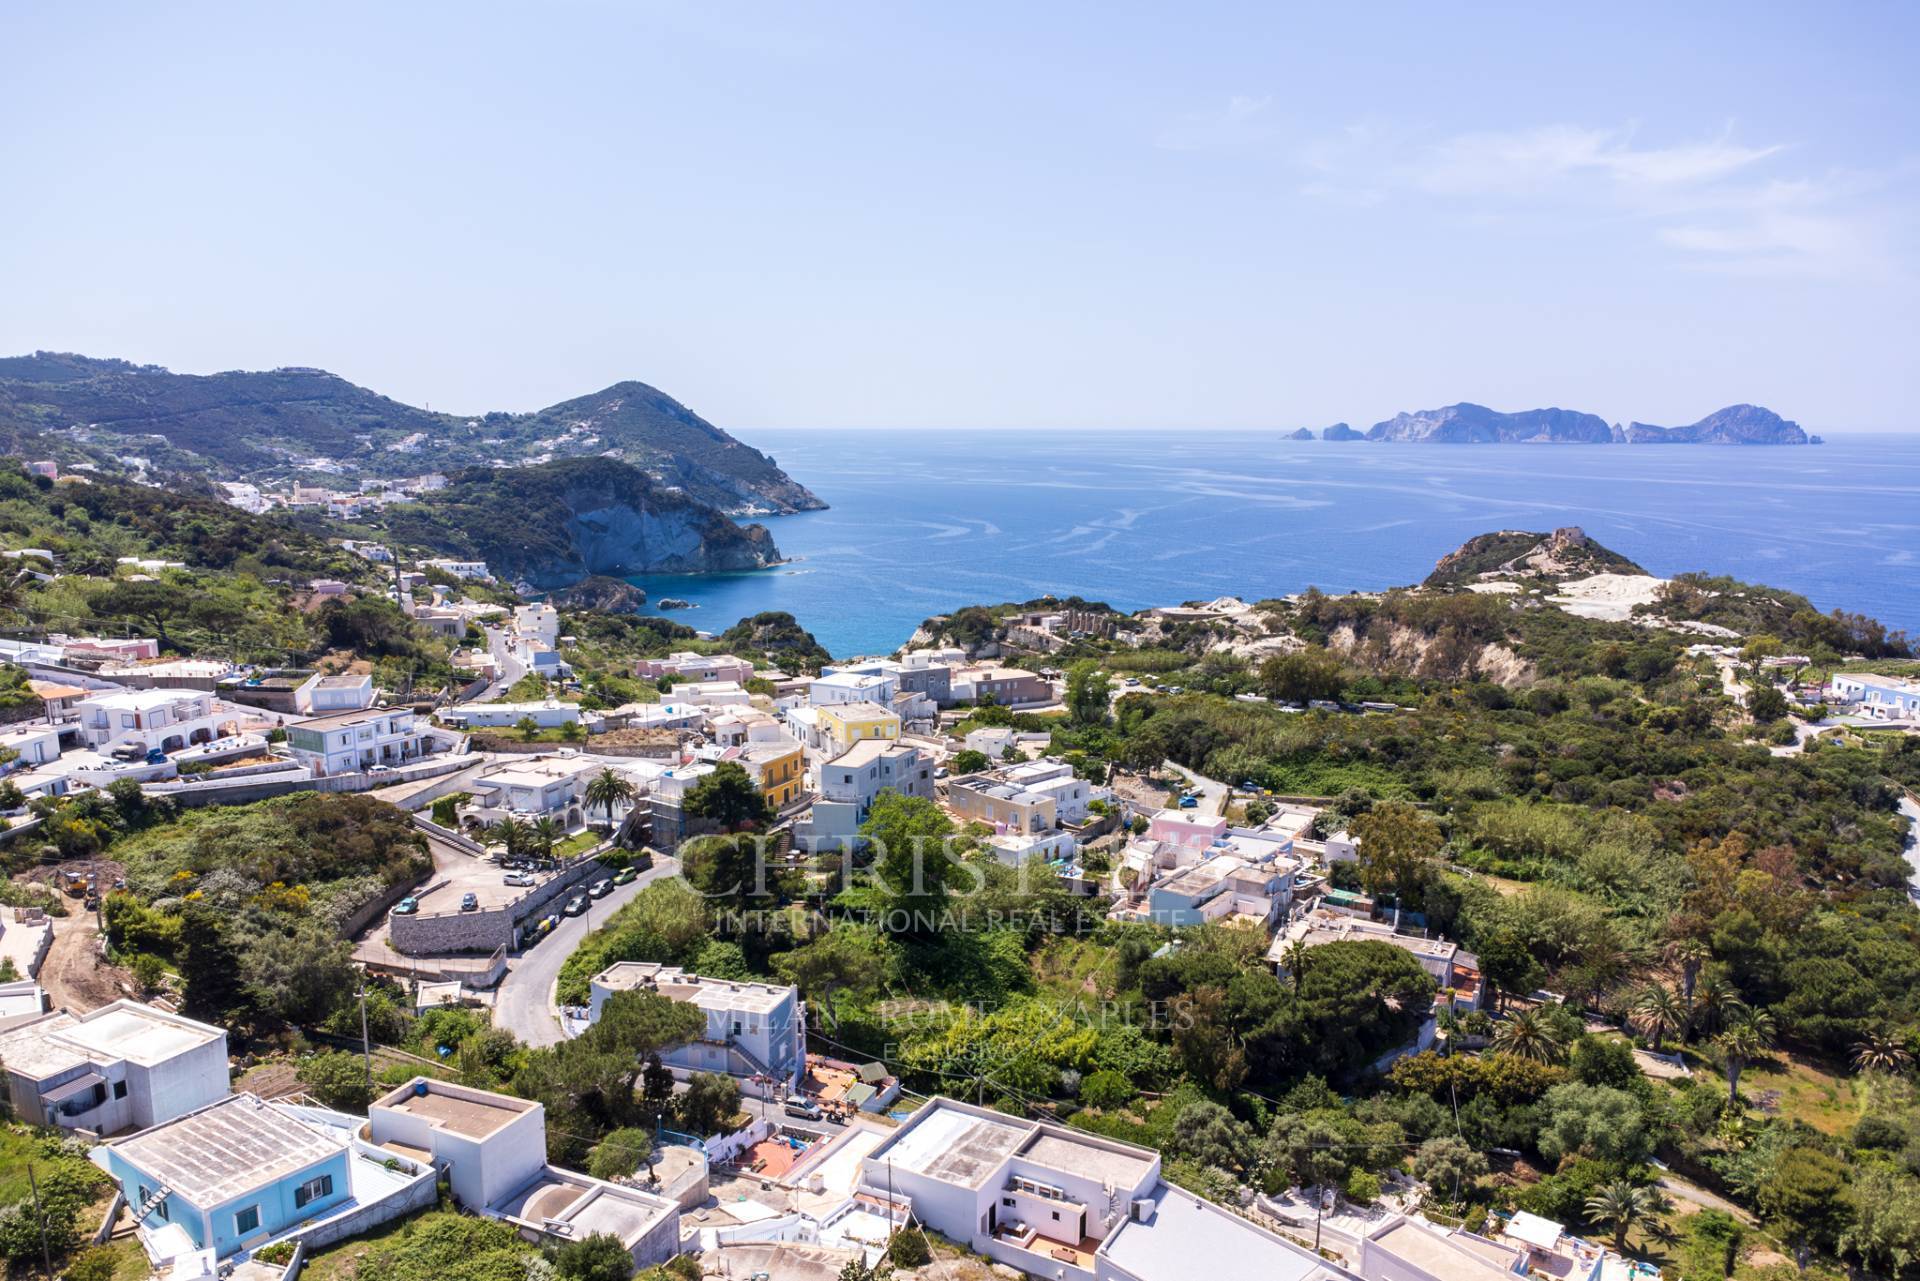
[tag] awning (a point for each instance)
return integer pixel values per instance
(1542, 1234)
(67, 1089)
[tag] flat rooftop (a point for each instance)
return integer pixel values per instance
(334, 720)
(32, 1049)
(473, 1113)
(227, 1148)
(867, 751)
(138, 1034)
(1186, 1239)
(586, 1205)
(677, 984)
(956, 1147)
(1443, 1254)
(1070, 1155)
(140, 700)
(1201, 876)
(122, 1032)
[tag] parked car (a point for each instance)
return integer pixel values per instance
(805, 1109)
(600, 888)
(469, 902)
(575, 905)
(518, 878)
(406, 906)
(1189, 802)
(626, 876)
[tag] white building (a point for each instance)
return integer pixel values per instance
(544, 787)
(753, 1029)
(852, 687)
(351, 742)
(1891, 698)
(163, 720)
(123, 1066)
(537, 624)
(31, 743)
(319, 695)
(1063, 1204)
(550, 714)
(711, 694)
(471, 570)
(493, 1148)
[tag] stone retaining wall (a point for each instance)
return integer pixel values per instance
(422, 934)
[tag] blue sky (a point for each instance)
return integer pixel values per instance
(983, 215)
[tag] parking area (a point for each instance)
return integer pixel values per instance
(467, 875)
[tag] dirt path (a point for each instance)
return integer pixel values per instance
(74, 974)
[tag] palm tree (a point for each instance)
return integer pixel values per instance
(1529, 1035)
(1623, 1206)
(1714, 1002)
(1749, 1034)
(511, 833)
(545, 834)
(1658, 1013)
(1295, 958)
(1882, 1052)
(1689, 954)
(608, 789)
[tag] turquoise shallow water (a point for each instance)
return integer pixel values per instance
(924, 522)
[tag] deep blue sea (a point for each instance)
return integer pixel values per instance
(923, 522)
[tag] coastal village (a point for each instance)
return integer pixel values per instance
(543, 811)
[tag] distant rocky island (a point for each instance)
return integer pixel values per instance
(1470, 424)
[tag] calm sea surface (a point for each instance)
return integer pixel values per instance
(923, 522)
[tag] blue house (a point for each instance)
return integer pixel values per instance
(232, 1175)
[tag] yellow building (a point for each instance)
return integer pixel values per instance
(844, 724)
(779, 767)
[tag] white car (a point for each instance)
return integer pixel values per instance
(518, 878)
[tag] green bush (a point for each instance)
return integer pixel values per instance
(1363, 1188)
(909, 1249)
(1106, 1089)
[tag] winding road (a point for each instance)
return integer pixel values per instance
(524, 1003)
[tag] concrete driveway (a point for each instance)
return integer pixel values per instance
(524, 1003)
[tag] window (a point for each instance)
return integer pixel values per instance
(1006, 1200)
(119, 1089)
(313, 1190)
(247, 1221)
(1056, 1216)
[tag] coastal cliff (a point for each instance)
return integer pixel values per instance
(559, 523)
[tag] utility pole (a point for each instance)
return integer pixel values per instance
(46, 1255)
(366, 1046)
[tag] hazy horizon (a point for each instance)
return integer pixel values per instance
(1077, 218)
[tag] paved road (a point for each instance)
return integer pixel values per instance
(510, 668)
(524, 1003)
(1213, 793)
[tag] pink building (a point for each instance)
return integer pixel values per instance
(698, 668)
(1187, 827)
(130, 650)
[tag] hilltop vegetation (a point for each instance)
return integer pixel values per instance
(262, 424)
(88, 523)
